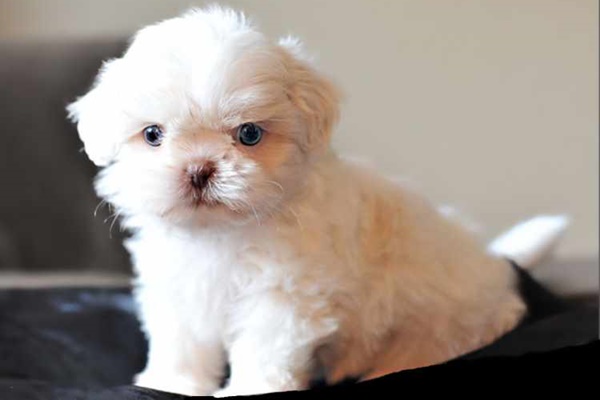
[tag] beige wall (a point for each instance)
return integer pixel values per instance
(489, 105)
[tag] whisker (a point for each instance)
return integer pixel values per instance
(295, 214)
(248, 205)
(100, 204)
(115, 217)
(278, 185)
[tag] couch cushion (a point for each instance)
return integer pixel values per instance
(46, 198)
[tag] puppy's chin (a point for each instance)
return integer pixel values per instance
(197, 215)
(214, 214)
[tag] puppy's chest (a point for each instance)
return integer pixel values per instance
(207, 275)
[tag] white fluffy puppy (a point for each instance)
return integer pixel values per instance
(253, 243)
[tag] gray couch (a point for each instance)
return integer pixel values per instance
(47, 201)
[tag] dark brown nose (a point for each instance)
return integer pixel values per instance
(200, 175)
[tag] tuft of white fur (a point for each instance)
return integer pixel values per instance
(291, 259)
(530, 242)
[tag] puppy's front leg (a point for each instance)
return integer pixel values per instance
(180, 363)
(273, 347)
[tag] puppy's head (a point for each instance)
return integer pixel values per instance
(205, 119)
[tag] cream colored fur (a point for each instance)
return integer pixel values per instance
(300, 261)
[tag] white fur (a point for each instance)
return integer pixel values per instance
(303, 261)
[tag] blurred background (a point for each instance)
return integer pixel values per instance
(488, 106)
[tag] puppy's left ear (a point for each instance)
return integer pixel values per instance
(317, 98)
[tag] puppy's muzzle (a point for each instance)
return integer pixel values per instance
(200, 175)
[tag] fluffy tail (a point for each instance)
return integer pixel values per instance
(529, 242)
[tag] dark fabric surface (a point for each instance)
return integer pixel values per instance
(539, 300)
(570, 370)
(47, 199)
(86, 344)
(91, 336)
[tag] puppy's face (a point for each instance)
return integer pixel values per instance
(203, 120)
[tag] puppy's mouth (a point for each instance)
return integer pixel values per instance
(197, 200)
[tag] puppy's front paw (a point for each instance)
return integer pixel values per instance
(175, 384)
(237, 390)
(225, 392)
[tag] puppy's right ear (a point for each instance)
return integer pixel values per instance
(98, 117)
(313, 94)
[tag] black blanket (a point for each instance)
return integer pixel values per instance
(86, 344)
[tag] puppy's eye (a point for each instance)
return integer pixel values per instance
(153, 135)
(249, 134)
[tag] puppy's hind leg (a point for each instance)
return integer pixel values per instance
(428, 346)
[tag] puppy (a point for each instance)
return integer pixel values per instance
(253, 243)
